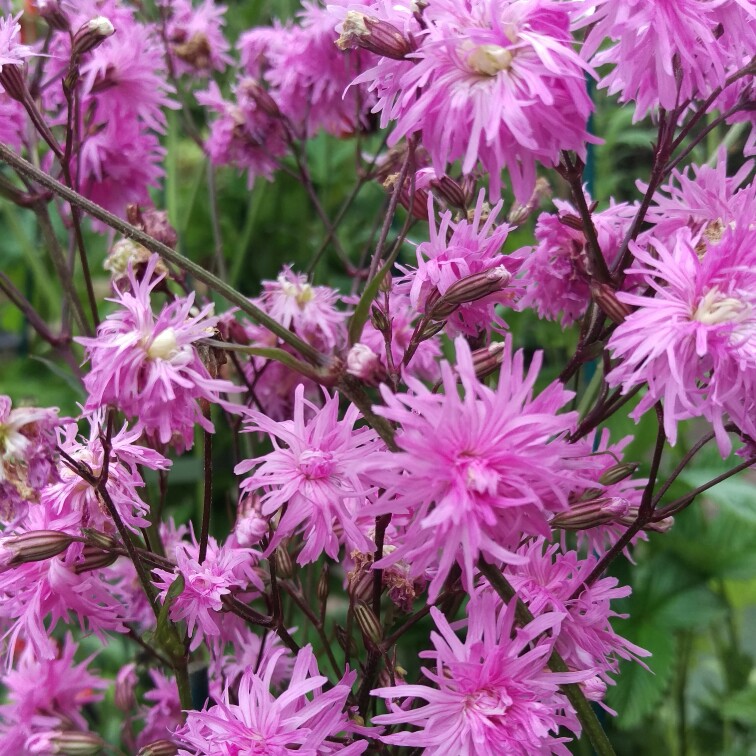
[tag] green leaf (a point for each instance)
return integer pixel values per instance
(736, 494)
(741, 707)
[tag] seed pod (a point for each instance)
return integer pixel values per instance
(369, 624)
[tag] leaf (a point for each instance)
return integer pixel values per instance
(741, 707)
(736, 494)
(362, 311)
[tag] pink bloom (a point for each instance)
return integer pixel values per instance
(304, 719)
(688, 42)
(27, 456)
(76, 502)
(254, 652)
(224, 569)
(308, 75)
(455, 252)
(703, 199)
(492, 694)
(245, 134)
(494, 82)
(316, 470)
(559, 270)
(12, 53)
(476, 472)
(36, 596)
(12, 122)
(195, 36)
(701, 360)
(43, 694)
(163, 713)
(148, 367)
(309, 311)
(586, 638)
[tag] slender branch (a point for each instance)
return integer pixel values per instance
(583, 709)
(207, 495)
(682, 465)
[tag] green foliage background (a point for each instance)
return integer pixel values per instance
(694, 589)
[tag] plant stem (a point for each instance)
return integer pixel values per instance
(583, 709)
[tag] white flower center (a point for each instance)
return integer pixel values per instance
(477, 475)
(301, 293)
(163, 346)
(716, 308)
(490, 59)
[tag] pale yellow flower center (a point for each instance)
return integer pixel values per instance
(490, 59)
(716, 308)
(163, 346)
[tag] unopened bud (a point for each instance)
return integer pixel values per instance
(261, 97)
(450, 191)
(322, 588)
(364, 363)
(594, 688)
(378, 319)
(103, 540)
(51, 11)
(374, 35)
(347, 644)
(158, 748)
(606, 298)
(284, 566)
(470, 289)
(125, 685)
(519, 213)
(386, 284)
(91, 35)
(369, 624)
(34, 546)
(488, 359)
(13, 81)
(66, 743)
(431, 329)
(94, 558)
(251, 524)
(590, 514)
(617, 473)
(662, 526)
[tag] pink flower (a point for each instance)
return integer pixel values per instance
(224, 569)
(316, 470)
(308, 75)
(47, 693)
(559, 270)
(27, 456)
(148, 367)
(253, 651)
(494, 82)
(586, 639)
(304, 719)
(76, 502)
(455, 252)
(701, 360)
(246, 134)
(163, 713)
(703, 199)
(309, 311)
(476, 473)
(689, 43)
(12, 121)
(491, 693)
(12, 53)
(195, 36)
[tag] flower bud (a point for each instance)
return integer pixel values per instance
(378, 319)
(91, 35)
(66, 743)
(13, 81)
(153, 222)
(662, 526)
(158, 748)
(103, 540)
(195, 51)
(369, 624)
(606, 298)
(51, 11)
(94, 558)
(125, 685)
(374, 35)
(592, 513)
(488, 359)
(251, 525)
(322, 589)
(261, 97)
(364, 363)
(470, 289)
(347, 644)
(431, 329)
(34, 546)
(594, 688)
(450, 191)
(617, 473)
(284, 566)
